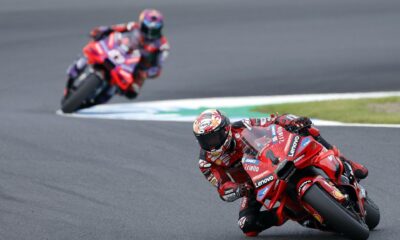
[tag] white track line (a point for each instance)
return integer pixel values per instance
(148, 110)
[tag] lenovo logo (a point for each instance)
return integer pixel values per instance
(264, 181)
(293, 146)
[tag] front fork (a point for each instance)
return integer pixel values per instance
(74, 71)
(103, 93)
(359, 191)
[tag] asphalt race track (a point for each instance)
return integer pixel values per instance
(65, 178)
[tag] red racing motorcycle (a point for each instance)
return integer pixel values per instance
(110, 67)
(306, 182)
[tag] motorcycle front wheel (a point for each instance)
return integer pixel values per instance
(335, 215)
(75, 99)
(373, 214)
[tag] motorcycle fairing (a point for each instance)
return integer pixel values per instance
(114, 53)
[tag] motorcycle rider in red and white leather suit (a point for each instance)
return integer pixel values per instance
(220, 161)
(146, 35)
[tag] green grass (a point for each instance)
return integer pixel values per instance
(370, 110)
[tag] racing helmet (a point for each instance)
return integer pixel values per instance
(213, 131)
(151, 22)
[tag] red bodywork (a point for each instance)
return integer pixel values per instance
(114, 54)
(271, 147)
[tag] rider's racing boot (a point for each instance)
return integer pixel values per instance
(359, 170)
(251, 227)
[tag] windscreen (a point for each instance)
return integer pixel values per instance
(257, 138)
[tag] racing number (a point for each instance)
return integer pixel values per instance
(116, 56)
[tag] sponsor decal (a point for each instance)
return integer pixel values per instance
(213, 180)
(298, 159)
(261, 193)
(241, 222)
(225, 158)
(293, 146)
(302, 185)
(273, 130)
(264, 181)
(251, 161)
(281, 138)
(237, 135)
(260, 175)
(251, 168)
(210, 177)
(244, 203)
(274, 136)
(305, 142)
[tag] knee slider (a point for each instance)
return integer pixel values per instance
(248, 224)
(131, 95)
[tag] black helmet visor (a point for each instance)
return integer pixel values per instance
(151, 33)
(213, 140)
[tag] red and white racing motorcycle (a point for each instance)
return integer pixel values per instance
(306, 181)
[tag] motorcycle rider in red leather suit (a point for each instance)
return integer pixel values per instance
(220, 161)
(146, 34)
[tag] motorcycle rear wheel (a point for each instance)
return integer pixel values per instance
(335, 215)
(76, 98)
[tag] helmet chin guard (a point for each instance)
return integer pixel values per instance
(225, 146)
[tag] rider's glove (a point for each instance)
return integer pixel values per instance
(245, 189)
(299, 124)
(100, 32)
(231, 191)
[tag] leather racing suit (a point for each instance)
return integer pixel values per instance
(226, 172)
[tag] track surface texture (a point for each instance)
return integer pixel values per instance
(65, 178)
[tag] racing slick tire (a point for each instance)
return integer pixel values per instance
(373, 214)
(335, 215)
(85, 89)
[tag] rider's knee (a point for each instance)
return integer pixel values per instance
(248, 224)
(131, 94)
